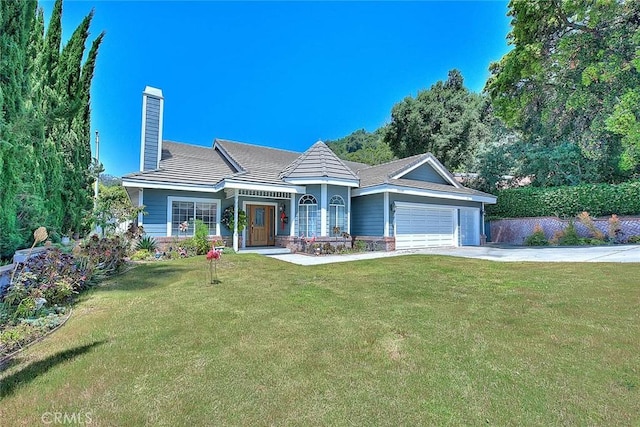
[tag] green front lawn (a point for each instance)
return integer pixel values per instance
(412, 340)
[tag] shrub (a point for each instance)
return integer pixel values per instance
(360, 246)
(104, 256)
(141, 255)
(187, 248)
(634, 239)
(201, 238)
(615, 229)
(569, 236)
(586, 220)
(147, 243)
(568, 201)
(537, 238)
(327, 248)
(52, 275)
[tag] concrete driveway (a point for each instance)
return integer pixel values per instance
(617, 253)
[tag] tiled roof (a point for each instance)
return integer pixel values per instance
(318, 162)
(379, 174)
(187, 164)
(262, 164)
(195, 165)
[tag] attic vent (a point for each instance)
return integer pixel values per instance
(258, 193)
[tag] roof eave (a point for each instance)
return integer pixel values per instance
(345, 182)
(396, 189)
(161, 185)
(249, 185)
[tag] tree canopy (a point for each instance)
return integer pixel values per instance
(362, 146)
(445, 120)
(570, 86)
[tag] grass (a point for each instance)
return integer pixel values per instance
(412, 340)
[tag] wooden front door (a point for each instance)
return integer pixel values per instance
(261, 225)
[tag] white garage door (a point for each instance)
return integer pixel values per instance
(422, 226)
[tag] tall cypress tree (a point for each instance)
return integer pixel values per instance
(44, 123)
(15, 24)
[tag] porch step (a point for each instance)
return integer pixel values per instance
(265, 251)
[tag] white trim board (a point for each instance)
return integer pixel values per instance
(420, 192)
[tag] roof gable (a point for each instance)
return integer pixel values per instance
(426, 168)
(421, 167)
(318, 162)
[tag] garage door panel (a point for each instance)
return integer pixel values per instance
(469, 227)
(424, 226)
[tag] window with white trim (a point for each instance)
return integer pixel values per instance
(307, 215)
(184, 212)
(337, 216)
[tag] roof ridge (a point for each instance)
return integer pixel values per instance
(255, 145)
(226, 153)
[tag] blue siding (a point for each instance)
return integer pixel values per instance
(155, 202)
(367, 215)
(315, 191)
(426, 173)
(152, 132)
(334, 190)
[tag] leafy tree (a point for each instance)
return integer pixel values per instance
(114, 208)
(444, 120)
(568, 87)
(362, 146)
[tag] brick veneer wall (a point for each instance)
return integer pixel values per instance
(515, 230)
(294, 244)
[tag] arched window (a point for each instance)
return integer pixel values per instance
(307, 215)
(337, 216)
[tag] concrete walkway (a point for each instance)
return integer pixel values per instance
(617, 253)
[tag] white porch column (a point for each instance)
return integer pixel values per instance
(348, 210)
(482, 219)
(140, 204)
(386, 214)
(235, 221)
(292, 216)
(323, 209)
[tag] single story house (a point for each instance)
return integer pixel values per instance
(408, 203)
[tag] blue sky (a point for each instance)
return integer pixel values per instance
(278, 74)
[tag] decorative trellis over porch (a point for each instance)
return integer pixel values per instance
(235, 193)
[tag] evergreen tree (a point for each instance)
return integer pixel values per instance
(45, 148)
(15, 25)
(444, 120)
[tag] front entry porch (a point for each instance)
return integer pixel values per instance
(261, 224)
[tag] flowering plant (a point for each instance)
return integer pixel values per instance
(213, 256)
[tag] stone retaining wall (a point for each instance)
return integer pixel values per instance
(515, 230)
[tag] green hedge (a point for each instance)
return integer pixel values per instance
(597, 199)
